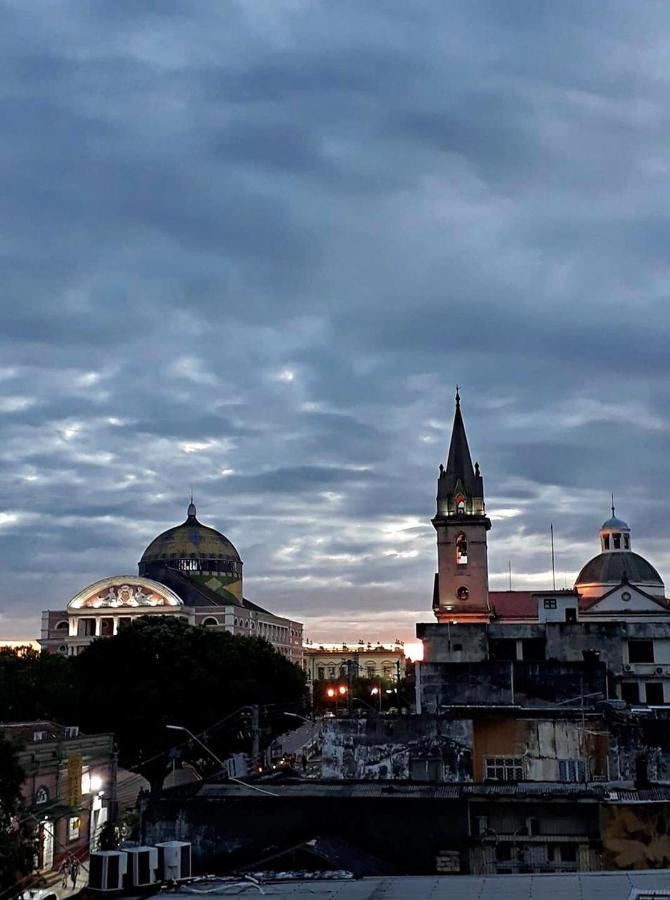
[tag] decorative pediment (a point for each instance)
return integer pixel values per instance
(124, 592)
(626, 599)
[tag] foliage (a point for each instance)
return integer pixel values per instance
(17, 831)
(160, 670)
(37, 685)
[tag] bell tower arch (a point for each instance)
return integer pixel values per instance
(462, 581)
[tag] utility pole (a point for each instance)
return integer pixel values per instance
(113, 801)
(255, 736)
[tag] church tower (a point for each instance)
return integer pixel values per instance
(461, 591)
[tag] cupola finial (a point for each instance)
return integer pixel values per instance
(612, 503)
(458, 397)
(190, 512)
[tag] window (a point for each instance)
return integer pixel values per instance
(73, 825)
(188, 565)
(371, 671)
(630, 692)
(616, 538)
(625, 596)
(571, 770)
(568, 853)
(550, 602)
(331, 671)
(504, 768)
(606, 542)
(571, 615)
(502, 649)
(209, 621)
(534, 649)
(321, 673)
(458, 648)
(463, 593)
(61, 626)
(461, 550)
(654, 691)
(626, 542)
(41, 796)
(86, 627)
(640, 651)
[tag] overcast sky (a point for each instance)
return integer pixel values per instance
(249, 248)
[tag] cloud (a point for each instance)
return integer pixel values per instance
(251, 249)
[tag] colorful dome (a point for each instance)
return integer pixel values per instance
(189, 541)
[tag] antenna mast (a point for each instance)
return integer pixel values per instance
(509, 567)
(553, 557)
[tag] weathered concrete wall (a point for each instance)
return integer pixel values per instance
(527, 684)
(416, 747)
(565, 641)
(636, 836)
(641, 748)
(540, 744)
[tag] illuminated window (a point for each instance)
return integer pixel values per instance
(461, 550)
(73, 825)
(460, 504)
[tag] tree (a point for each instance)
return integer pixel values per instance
(17, 831)
(37, 685)
(160, 670)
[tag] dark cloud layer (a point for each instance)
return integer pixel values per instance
(250, 247)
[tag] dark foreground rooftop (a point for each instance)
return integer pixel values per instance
(586, 886)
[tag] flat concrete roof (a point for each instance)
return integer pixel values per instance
(586, 886)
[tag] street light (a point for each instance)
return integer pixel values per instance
(219, 761)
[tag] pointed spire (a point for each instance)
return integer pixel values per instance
(460, 485)
(459, 461)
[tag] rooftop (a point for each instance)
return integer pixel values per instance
(585, 885)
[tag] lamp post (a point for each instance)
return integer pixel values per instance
(219, 761)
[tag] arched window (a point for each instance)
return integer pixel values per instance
(461, 550)
(209, 621)
(62, 625)
(460, 504)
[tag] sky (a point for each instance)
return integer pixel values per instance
(250, 248)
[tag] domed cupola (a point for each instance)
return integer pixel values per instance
(617, 563)
(196, 551)
(614, 534)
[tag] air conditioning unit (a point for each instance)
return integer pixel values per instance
(106, 869)
(174, 860)
(659, 670)
(627, 668)
(142, 866)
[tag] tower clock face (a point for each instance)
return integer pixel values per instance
(462, 593)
